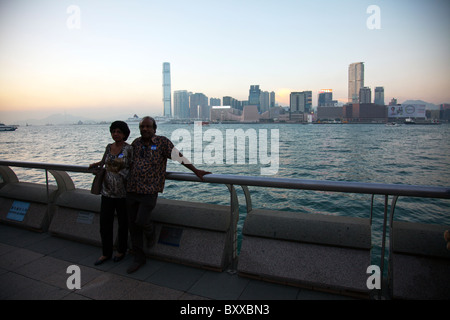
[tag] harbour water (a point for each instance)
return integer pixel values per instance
(372, 153)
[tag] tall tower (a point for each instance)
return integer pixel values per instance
(365, 95)
(379, 96)
(254, 95)
(167, 90)
(355, 81)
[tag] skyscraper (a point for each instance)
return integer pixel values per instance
(365, 95)
(272, 99)
(167, 90)
(254, 96)
(264, 101)
(325, 98)
(181, 104)
(198, 106)
(379, 96)
(355, 81)
(300, 101)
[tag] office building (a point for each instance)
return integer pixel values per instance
(167, 101)
(181, 104)
(365, 95)
(264, 101)
(198, 106)
(254, 96)
(379, 96)
(214, 102)
(364, 113)
(272, 99)
(355, 81)
(325, 98)
(300, 102)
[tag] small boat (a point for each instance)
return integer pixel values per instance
(161, 119)
(3, 127)
(409, 121)
(393, 124)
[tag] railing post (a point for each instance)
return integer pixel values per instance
(234, 212)
(391, 242)
(248, 199)
(383, 240)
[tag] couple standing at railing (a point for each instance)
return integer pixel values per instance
(134, 176)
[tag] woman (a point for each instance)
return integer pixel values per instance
(117, 159)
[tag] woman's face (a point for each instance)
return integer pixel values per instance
(117, 135)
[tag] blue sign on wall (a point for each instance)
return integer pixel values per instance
(18, 210)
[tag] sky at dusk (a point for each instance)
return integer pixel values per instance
(103, 58)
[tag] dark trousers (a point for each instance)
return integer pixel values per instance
(139, 208)
(107, 209)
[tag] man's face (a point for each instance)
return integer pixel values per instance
(146, 128)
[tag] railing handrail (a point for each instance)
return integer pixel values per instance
(272, 182)
(387, 190)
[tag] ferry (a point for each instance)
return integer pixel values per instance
(3, 127)
(134, 118)
(158, 119)
(162, 119)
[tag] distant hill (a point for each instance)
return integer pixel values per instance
(428, 106)
(59, 119)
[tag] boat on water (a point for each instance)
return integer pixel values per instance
(158, 119)
(4, 127)
(134, 118)
(422, 122)
(409, 121)
(161, 119)
(393, 124)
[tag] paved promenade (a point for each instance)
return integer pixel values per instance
(33, 266)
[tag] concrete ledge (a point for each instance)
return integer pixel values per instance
(79, 199)
(419, 277)
(190, 214)
(317, 267)
(314, 251)
(27, 191)
(76, 217)
(78, 225)
(420, 239)
(202, 238)
(203, 234)
(38, 215)
(420, 262)
(311, 228)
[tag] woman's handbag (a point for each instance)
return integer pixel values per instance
(98, 181)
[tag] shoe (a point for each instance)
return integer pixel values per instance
(119, 258)
(101, 260)
(135, 267)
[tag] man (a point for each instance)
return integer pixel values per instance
(146, 180)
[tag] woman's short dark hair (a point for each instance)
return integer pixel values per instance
(122, 126)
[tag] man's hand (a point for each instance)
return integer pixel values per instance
(201, 173)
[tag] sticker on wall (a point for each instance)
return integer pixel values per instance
(85, 217)
(18, 210)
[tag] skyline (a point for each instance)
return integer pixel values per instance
(105, 59)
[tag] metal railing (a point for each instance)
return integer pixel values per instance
(387, 190)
